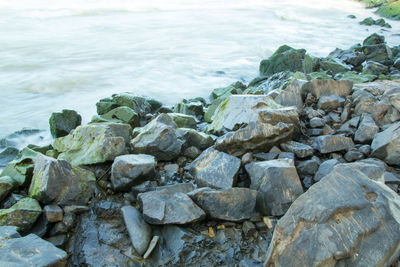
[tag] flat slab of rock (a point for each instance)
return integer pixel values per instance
(139, 231)
(277, 183)
(162, 207)
(299, 149)
(327, 87)
(215, 169)
(30, 250)
(234, 204)
(57, 181)
(158, 138)
(129, 170)
(94, 143)
(23, 214)
(255, 137)
(386, 145)
(366, 130)
(346, 219)
(332, 143)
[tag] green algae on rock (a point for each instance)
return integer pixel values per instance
(390, 10)
(22, 214)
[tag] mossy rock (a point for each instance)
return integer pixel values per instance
(139, 104)
(374, 39)
(62, 123)
(224, 92)
(105, 105)
(119, 115)
(7, 185)
(183, 120)
(322, 75)
(355, 77)
(23, 214)
(194, 107)
(373, 3)
(334, 66)
(390, 10)
(367, 21)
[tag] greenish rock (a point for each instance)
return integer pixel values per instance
(105, 105)
(62, 123)
(94, 143)
(23, 214)
(279, 80)
(192, 107)
(334, 66)
(56, 181)
(351, 16)
(119, 115)
(158, 138)
(322, 75)
(286, 58)
(382, 23)
(21, 168)
(374, 68)
(368, 21)
(183, 120)
(139, 104)
(355, 77)
(155, 105)
(372, 3)
(374, 39)
(211, 109)
(390, 10)
(7, 155)
(195, 138)
(40, 149)
(7, 185)
(379, 52)
(240, 109)
(224, 92)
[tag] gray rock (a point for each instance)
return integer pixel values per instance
(308, 167)
(291, 95)
(372, 168)
(317, 123)
(7, 155)
(139, 104)
(56, 181)
(392, 178)
(320, 88)
(234, 204)
(353, 155)
(162, 207)
(195, 138)
(374, 68)
(266, 156)
(119, 115)
(58, 240)
(288, 115)
(190, 107)
(62, 123)
(7, 232)
(358, 217)
(330, 102)
(158, 138)
(30, 250)
(386, 145)
(192, 152)
(53, 213)
(183, 120)
(299, 149)
(277, 183)
(94, 143)
(325, 168)
(349, 127)
(332, 143)
(255, 137)
(286, 155)
(152, 246)
(7, 185)
(365, 149)
(366, 130)
(23, 214)
(129, 170)
(215, 169)
(139, 231)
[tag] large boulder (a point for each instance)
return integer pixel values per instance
(158, 138)
(62, 123)
(129, 170)
(56, 181)
(30, 250)
(94, 143)
(23, 214)
(215, 169)
(255, 137)
(163, 207)
(386, 145)
(327, 87)
(332, 143)
(234, 204)
(372, 168)
(277, 183)
(346, 219)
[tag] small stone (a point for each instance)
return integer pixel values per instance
(249, 229)
(332, 143)
(365, 149)
(286, 155)
(266, 156)
(325, 168)
(75, 209)
(192, 152)
(308, 167)
(314, 132)
(386, 145)
(211, 232)
(247, 158)
(53, 213)
(58, 240)
(366, 130)
(299, 149)
(330, 102)
(317, 123)
(153, 244)
(267, 222)
(353, 155)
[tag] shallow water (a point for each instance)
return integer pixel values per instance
(70, 53)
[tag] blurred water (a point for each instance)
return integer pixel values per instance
(70, 53)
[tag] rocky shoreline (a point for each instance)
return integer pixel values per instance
(298, 168)
(386, 8)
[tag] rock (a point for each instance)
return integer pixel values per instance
(152, 246)
(308, 167)
(192, 152)
(286, 155)
(8, 232)
(380, 53)
(21, 168)
(56, 181)
(286, 58)
(30, 250)
(23, 214)
(183, 120)
(105, 105)
(58, 240)
(334, 66)
(330, 102)
(195, 138)
(94, 143)
(7, 185)
(139, 104)
(255, 137)
(192, 107)
(62, 123)
(162, 207)
(365, 149)
(158, 138)
(367, 21)
(366, 130)
(234, 204)
(390, 10)
(374, 39)
(237, 110)
(129, 170)
(372, 168)
(325, 168)
(355, 77)
(385, 145)
(299, 149)
(277, 183)
(139, 231)
(374, 68)
(53, 213)
(247, 158)
(7, 155)
(119, 115)
(332, 143)
(320, 88)
(346, 208)
(393, 96)
(215, 169)
(317, 123)
(353, 155)
(291, 95)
